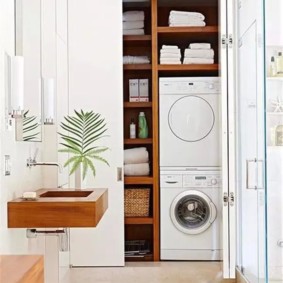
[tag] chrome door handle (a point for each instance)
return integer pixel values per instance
(261, 173)
(248, 161)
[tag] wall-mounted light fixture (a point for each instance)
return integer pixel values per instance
(48, 101)
(16, 86)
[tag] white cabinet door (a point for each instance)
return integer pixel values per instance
(95, 83)
(227, 9)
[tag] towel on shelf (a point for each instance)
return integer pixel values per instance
(133, 25)
(170, 51)
(141, 169)
(130, 16)
(185, 14)
(170, 61)
(183, 18)
(170, 55)
(133, 31)
(200, 46)
(135, 155)
(188, 24)
(199, 53)
(135, 59)
(170, 47)
(198, 61)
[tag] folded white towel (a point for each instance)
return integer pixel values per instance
(187, 14)
(200, 46)
(133, 31)
(141, 169)
(136, 60)
(170, 47)
(198, 61)
(135, 155)
(171, 51)
(199, 53)
(169, 61)
(170, 55)
(188, 24)
(130, 16)
(133, 25)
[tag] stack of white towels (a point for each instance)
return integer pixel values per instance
(199, 53)
(136, 162)
(170, 54)
(128, 59)
(133, 23)
(186, 19)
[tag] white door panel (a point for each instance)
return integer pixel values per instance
(95, 80)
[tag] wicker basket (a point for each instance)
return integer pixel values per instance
(136, 202)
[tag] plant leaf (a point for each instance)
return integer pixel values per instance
(99, 158)
(71, 160)
(91, 166)
(76, 164)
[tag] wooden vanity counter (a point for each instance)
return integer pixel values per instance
(21, 269)
(59, 208)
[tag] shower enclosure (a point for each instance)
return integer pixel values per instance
(260, 140)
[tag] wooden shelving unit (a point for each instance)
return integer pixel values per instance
(137, 38)
(137, 67)
(138, 180)
(138, 141)
(158, 33)
(187, 30)
(138, 220)
(189, 67)
(137, 104)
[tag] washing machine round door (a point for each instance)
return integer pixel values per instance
(192, 212)
(191, 118)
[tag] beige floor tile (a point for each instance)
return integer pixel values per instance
(150, 272)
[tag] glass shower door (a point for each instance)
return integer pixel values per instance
(250, 144)
(274, 137)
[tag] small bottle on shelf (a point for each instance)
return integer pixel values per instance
(272, 67)
(132, 129)
(143, 129)
(279, 64)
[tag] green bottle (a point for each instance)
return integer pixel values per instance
(143, 129)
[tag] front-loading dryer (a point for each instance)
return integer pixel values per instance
(189, 122)
(190, 222)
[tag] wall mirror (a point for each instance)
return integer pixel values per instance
(28, 44)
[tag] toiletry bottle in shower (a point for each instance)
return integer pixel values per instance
(279, 135)
(279, 64)
(272, 67)
(143, 129)
(132, 129)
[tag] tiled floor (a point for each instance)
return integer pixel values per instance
(159, 272)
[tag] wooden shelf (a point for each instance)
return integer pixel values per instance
(137, 67)
(185, 30)
(138, 180)
(138, 220)
(138, 141)
(189, 67)
(137, 104)
(137, 37)
(140, 258)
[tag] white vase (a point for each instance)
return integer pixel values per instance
(80, 184)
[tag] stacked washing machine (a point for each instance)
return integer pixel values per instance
(190, 163)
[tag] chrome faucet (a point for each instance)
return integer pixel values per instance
(31, 162)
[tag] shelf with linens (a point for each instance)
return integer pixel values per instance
(138, 97)
(171, 31)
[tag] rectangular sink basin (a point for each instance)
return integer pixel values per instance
(65, 194)
(55, 208)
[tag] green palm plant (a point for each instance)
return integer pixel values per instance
(30, 126)
(83, 130)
